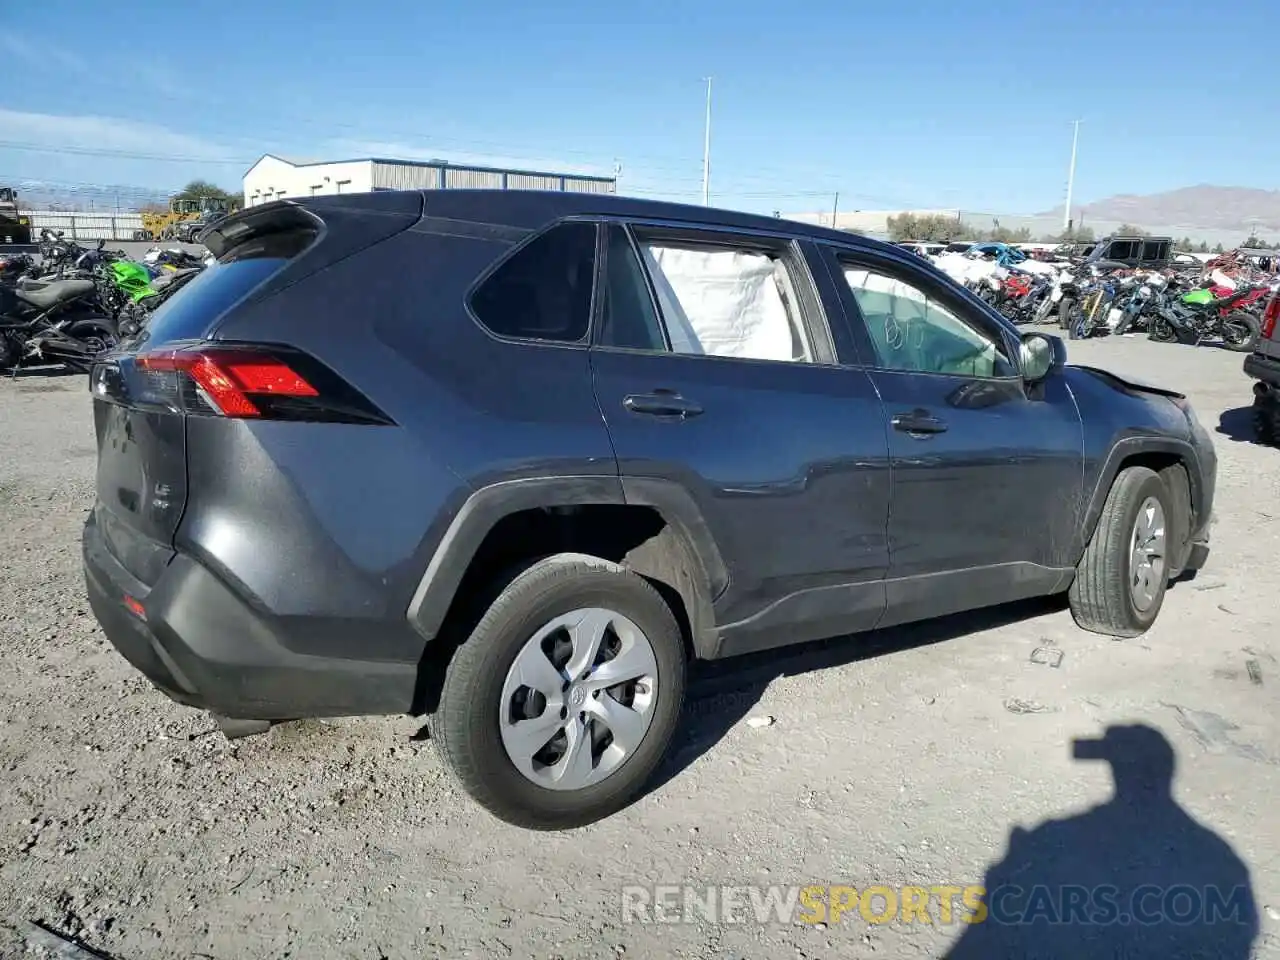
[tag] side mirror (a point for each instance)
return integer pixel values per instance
(1041, 354)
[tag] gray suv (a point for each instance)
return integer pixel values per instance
(515, 460)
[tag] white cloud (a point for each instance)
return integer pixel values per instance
(345, 149)
(41, 54)
(110, 135)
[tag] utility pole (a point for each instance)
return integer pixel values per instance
(706, 152)
(835, 210)
(1071, 176)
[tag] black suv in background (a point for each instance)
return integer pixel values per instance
(514, 459)
(1138, 253)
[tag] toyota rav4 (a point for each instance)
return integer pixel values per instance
(514, 460)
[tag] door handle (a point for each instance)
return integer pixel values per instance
(918, 424)
(662, 403)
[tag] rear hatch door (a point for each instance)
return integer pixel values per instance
(140, 411)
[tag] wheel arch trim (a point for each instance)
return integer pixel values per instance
(1135, 447)
(484, 508)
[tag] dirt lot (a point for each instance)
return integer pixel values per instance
(903, 758)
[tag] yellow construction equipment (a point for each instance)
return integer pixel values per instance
(163, 226)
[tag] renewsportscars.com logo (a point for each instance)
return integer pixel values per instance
(937, 904)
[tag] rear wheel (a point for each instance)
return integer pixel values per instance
(1266, 422)
(98, 336)
(561, 704)
(1121, 579)
(1240, 331)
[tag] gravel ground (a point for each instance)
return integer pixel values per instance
(902, 758)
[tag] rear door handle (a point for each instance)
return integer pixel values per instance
(662, 403)
(918, 423)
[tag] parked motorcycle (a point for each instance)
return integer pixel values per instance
(1027, 297)
(58, 321)
(1176, 321)
(1137, 302)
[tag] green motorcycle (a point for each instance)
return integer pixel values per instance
(132, 279)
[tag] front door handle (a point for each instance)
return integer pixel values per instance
(662, 403)
(918, 423)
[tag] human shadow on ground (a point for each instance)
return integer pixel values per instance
(722, 692)
(1237, 424)
(1136, 877)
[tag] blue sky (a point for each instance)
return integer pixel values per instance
(914, 104)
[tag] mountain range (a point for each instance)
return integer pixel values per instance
(1205, 206)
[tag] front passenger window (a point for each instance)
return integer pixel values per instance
(913, 332)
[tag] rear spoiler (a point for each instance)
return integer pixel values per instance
(255, 222)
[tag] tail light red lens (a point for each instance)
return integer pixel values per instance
(228, 378)
(238, 381)
(1271, 315)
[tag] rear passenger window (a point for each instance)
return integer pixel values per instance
(727, 301)
(543, 292)
(1123, 250)
(628, 318)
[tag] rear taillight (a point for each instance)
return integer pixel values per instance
(238, 381)
(228, 380)
(1270, 317)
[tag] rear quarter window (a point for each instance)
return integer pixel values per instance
(193, 310)
(543, 290)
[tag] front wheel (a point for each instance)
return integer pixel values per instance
(1043, 310)
(1065, 308)
(1161, 331)
(1121, 579)
(561, 704)
(1240, 332)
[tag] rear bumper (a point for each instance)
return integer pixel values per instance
(203, 646)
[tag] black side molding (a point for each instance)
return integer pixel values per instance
(484, 508)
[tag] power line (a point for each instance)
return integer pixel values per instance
(123, 154)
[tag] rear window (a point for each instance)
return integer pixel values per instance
(190, 312)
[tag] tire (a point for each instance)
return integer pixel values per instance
(1159, 330)
(1266, 424)
(1240, 332)
(1043, 309)
(1101, 598)
(478, 682)
(90, 331)
(1065, 306)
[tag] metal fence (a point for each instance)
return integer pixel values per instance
(86, 226)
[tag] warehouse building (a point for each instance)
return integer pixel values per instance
(272, 178)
